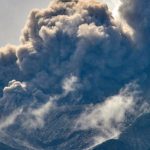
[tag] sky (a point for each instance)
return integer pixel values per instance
(13, 14)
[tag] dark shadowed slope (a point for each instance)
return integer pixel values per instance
(138, 134)
(6, 147)
(113, 145)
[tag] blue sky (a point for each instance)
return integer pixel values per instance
(13, 14)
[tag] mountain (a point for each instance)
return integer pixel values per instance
(6, 147)
(135, 137)
(113, 145)
(138, 134)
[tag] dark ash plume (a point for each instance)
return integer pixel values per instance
(72, 62)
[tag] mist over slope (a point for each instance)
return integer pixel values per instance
(76, 79)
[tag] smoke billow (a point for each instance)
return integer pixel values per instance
(73, 55)
(136, 13)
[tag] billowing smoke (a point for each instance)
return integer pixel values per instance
(72, 62)
(136, 13)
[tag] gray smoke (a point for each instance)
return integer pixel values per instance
(72, 54)
(136, 13)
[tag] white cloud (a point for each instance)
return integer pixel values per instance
(10, 120)
(70, 84)
(110, 116)
(36, 117)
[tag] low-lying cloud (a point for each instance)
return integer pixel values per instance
(10, 119)
(112, 116)
(35, 118)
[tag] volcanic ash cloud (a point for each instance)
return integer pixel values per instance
(72, 54)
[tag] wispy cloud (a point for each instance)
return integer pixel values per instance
(111, 116)
(36, 117)
(70, 84)
(10, 119)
